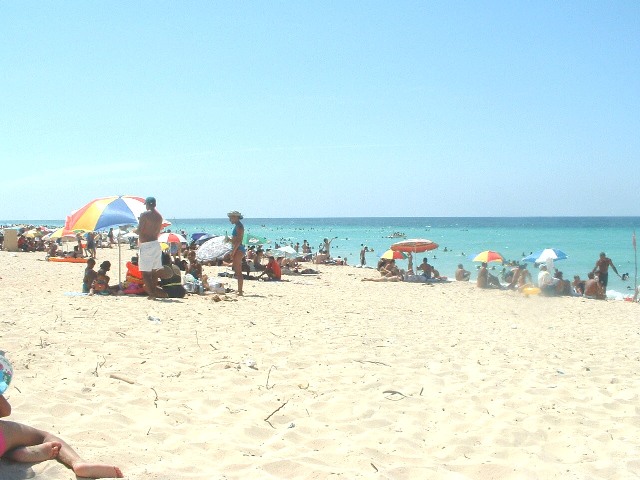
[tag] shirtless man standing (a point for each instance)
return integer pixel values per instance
(602, 271)
(150, 256)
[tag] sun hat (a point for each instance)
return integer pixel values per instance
(235, 213)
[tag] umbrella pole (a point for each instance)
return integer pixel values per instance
(119, 264)
(635, 256)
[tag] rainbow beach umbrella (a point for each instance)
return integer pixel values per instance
(393, 255)
(108, 212)
(488, 256)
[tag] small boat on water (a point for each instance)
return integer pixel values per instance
(396, 235)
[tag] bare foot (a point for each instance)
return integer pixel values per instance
(240, 294)
(96, 470)
(35, 453)
(161, 293)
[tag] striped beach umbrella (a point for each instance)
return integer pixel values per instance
(169, 237)
(108, 212)
(393, 255)
(488, 256)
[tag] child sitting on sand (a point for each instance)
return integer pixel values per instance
(89, 276)
(25, 444)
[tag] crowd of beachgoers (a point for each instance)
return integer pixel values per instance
(182, 270)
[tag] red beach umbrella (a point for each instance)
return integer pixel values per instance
(414, 245)
(169, 237)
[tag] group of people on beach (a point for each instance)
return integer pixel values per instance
(519, 277)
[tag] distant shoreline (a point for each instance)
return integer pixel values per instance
(189, 219)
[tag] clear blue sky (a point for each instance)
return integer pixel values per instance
(306, 109)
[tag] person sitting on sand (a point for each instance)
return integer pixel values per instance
(462, 275)
(515, 281)
(52, 251)
(390, 269)
(487, 280)
(24, 444)
(101, 285)
(563, 287)
(546, 282)
(593, 288)
(89, 276)
(427, 269)
(524, 279)
(257, 260)
(195, 268)
(272, 269)
(578, 285)
(171, 278)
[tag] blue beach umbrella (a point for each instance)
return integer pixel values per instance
(542, 256)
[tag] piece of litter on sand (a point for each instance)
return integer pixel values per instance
(154, 319)
(120, 377)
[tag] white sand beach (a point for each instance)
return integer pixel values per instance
(351, 379)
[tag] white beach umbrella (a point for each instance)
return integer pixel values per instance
(286, 251)
(212, 249)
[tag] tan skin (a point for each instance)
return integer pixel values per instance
(29, 445)
(462, 275)
(602, 266)
(593, 289)
(236, 254)
(148, 230)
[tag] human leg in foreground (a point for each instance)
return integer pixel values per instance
(25, 444)
(237, 269)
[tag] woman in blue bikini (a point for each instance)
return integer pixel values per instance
(237, 248)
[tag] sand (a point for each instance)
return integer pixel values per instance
(351, 379)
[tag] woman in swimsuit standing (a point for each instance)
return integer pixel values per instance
(237, 249)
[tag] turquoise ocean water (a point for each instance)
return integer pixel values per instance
(582, 238)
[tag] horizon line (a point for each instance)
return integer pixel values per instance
(21, 220)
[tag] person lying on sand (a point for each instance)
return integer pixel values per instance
(24, 444)
(392, 278)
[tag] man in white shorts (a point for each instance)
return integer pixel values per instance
(150, 254)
